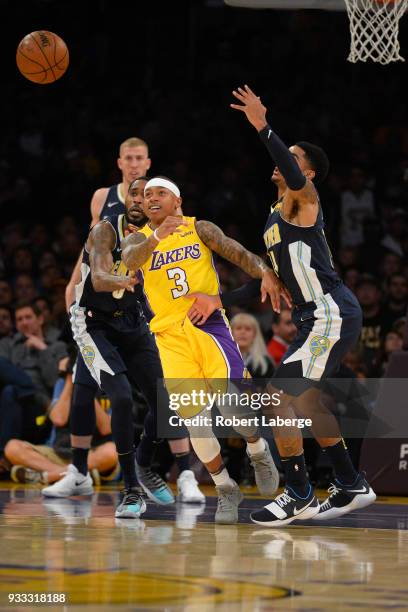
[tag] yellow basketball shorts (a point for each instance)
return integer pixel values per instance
(199, 358)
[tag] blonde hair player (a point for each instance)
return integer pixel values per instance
(133, 162)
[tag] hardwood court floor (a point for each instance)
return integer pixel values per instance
(177, 559)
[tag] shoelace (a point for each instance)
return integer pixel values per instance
(283, 499)
(224, 501)
(153, 479)
(130, 497)
(333, 490)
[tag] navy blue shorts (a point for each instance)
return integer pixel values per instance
(327, 329)
(114, 343)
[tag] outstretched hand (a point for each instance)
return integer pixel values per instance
(251, 106)
(271, 285)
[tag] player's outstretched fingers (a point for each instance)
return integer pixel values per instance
(238, 95)
(287, 297)
(249, 90)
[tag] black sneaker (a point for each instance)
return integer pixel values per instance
(344, 499)
(286, 508)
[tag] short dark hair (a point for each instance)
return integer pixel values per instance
(139, 178)
(317, 159)
(27, 304)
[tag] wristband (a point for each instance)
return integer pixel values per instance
(155, 236)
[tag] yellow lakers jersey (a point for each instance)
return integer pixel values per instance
(180, 264)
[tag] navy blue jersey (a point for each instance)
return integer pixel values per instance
(300, 256)
(106, 301)
(114, 203)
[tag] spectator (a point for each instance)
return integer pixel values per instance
(351, 278)
(392, 342)
(22, 261)
(399, 326)
(357, 204)
(353, 361)
(47, 464)
(45, 307)
(6, 322)
(368, 294)
(24, 288)
(390, 264)
(39, 237)
(37, 358)
(247, 334)
(347, 258)
(397, 231)
(284, 332)
(396, 300)
(47, 259)
(12, 237)
(48, 278)
(6, 293)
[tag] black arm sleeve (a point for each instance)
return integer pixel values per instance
(242, 295)
(283, 158)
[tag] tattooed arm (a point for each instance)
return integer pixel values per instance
(100, 243)
(230, 249)
(136, 248)
(253, 265)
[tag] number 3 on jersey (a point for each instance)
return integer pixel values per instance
(180, 280)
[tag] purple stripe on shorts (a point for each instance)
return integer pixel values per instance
(219, 330)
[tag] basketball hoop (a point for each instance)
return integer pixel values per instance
(374, 30)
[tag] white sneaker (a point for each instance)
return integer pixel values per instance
(72, 483)
(188, 491)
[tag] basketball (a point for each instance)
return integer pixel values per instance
(42, 57)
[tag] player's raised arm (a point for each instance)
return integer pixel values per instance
(100, 243)
(252, 264)
(255, 111)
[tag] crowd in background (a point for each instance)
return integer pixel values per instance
(59, 145)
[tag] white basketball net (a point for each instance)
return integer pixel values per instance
(374, 30)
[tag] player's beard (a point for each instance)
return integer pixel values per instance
(139, 219)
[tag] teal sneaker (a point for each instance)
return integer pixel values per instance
(132, 505)
(154, 486)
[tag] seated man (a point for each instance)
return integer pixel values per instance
(36, 357)
(47, 464)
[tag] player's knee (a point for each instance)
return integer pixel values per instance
(207, 448)
(13, 449)
(110, 456)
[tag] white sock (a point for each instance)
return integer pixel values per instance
(256, 447)
(222, 478)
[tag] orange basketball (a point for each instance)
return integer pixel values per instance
(42, 57)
